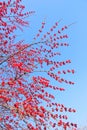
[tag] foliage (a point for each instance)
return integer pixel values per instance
(25, 102)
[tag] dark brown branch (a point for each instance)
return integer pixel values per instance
(20, 51)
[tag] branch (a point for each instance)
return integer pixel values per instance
(20, 51)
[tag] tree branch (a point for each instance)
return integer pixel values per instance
(20, 51)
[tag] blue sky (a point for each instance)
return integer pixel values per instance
(69, 11)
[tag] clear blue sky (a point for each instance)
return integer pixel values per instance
(69, 11)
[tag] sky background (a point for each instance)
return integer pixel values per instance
(69, 12)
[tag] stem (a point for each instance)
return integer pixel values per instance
(20, 51)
